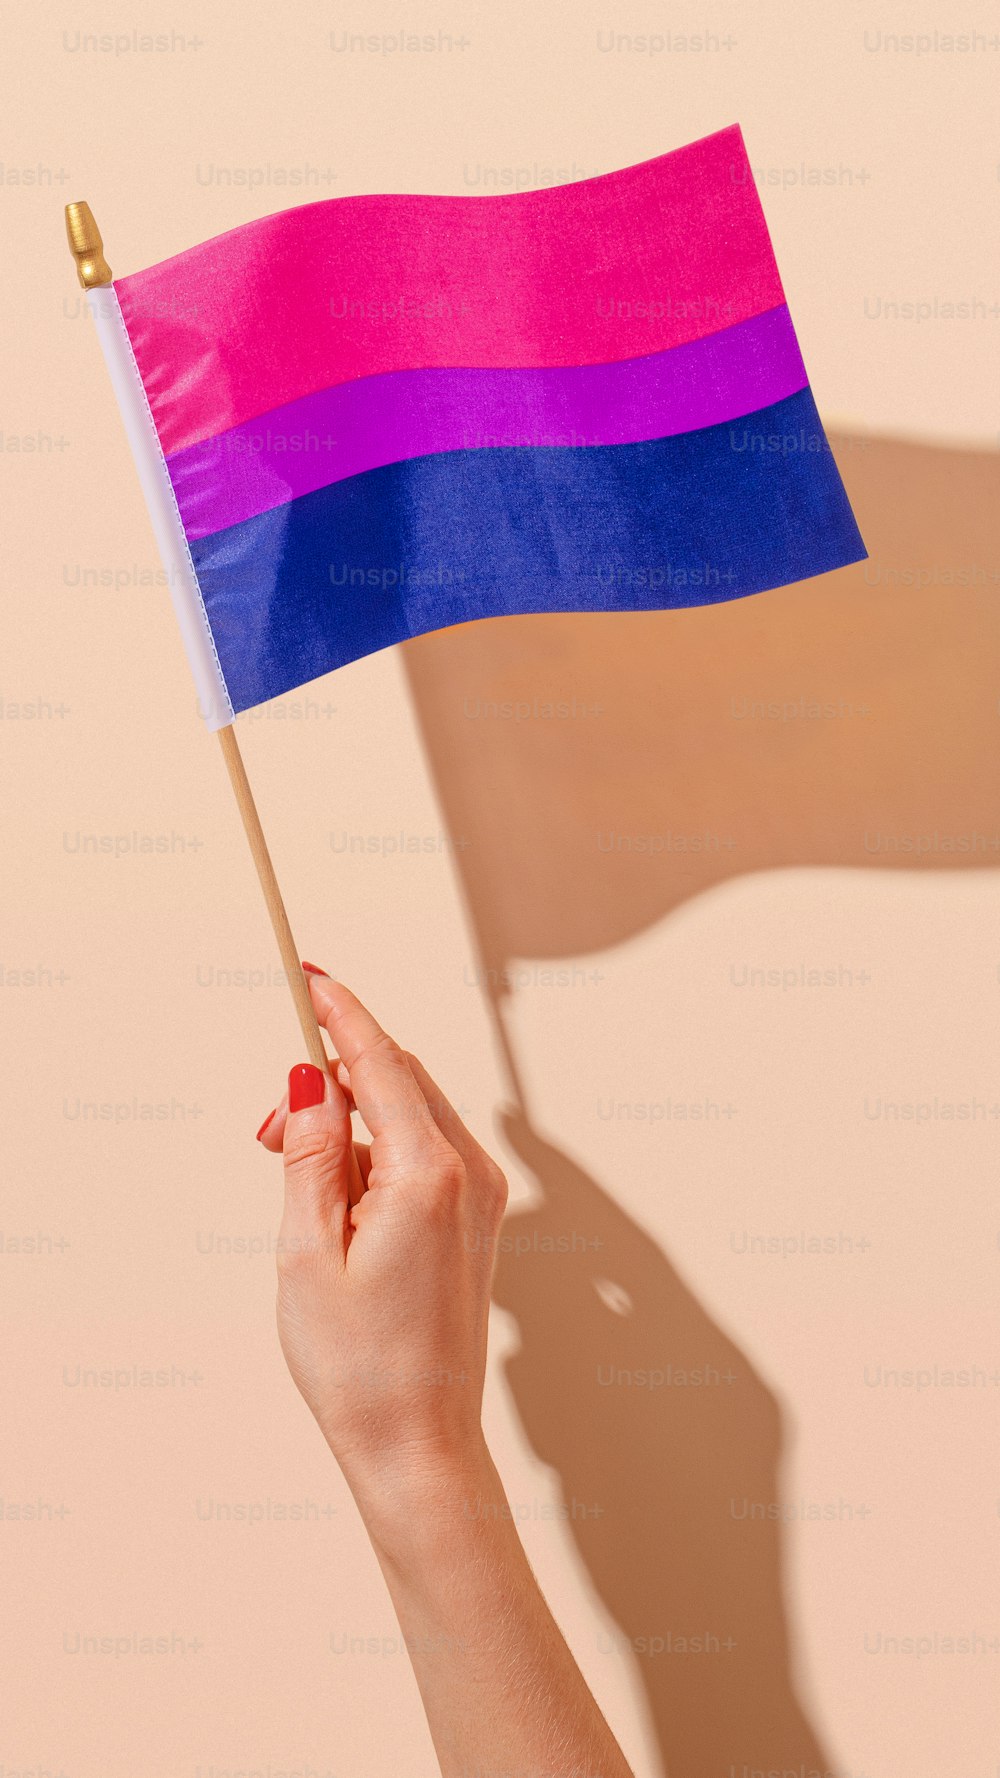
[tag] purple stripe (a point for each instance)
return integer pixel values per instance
(366, 424)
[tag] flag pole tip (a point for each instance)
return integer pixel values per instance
(86, 246)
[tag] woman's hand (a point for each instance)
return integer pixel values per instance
(384, 1265)
(384, 1258)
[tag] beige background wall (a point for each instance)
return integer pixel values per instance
(201, 1508)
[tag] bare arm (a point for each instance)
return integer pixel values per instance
(385, 1258)
(501, 1690)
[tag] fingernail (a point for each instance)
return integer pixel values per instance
(269, 1119)
(314, 969)
(305, 1087)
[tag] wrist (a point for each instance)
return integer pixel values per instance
(411, 1499)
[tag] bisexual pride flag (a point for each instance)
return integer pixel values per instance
(384, 415)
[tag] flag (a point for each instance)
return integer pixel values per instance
(384, 415)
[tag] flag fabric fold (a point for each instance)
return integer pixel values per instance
(384, 415)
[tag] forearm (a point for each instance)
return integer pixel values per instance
(501, 1690)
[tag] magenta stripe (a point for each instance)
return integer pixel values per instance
(353, 427)
(619, 266)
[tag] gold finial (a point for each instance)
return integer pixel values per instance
(86, 246)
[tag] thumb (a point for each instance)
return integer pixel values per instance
(318, 1152)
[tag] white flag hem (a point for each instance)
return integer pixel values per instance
(214, 702)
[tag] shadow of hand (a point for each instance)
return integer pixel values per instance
(663, 1435)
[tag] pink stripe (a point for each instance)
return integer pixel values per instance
(622, 266)
(353, 427)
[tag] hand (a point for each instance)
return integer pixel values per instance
(385, 1256)
(384, 1264)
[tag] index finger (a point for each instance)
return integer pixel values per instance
(385, 1091)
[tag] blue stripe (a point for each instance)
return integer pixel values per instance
(693, 519)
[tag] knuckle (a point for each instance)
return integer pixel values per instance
(444, 1174)
(496, 1186)
(451, 1172)
(381, 1045)
(308, 1150)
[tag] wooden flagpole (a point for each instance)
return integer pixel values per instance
(272, 894)
(94, 272)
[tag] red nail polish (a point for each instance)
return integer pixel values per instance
(314, 969)
(264, 1125)
(305, 1087)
